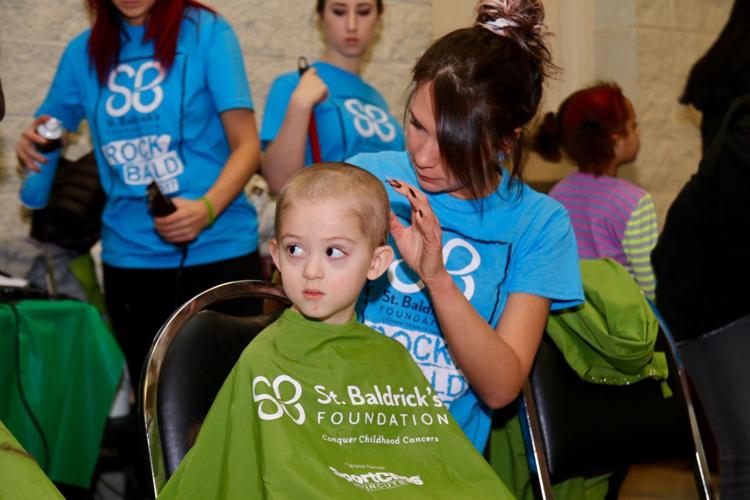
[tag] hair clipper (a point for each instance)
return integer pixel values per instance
(158, 204)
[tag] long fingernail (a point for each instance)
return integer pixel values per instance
(412, 193)
(393, 183)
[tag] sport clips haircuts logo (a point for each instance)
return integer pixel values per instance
(372, 481)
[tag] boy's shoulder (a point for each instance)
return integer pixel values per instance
(282, 338)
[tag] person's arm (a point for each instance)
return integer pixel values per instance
(64, 101)
(192, 216)
(641, 234)
(495, 361)
(285, 155)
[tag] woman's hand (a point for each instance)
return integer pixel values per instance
(310, 90)
(26, 145)
(420, 244)
(184, 224)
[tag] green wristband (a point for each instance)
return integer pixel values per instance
(210, 208)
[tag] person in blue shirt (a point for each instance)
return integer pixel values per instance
(163, 86)
(481, 258)
(351, 116)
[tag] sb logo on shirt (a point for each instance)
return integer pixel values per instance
(370, 120)
(137, 89)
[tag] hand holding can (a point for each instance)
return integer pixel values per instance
(37, 186)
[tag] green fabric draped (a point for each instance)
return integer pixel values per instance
(319, 411)
(20, 476)
(610, 338)
(70, 368)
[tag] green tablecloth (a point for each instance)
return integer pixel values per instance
(20, 476)
(70, 368)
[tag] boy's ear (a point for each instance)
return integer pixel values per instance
(381, 259)
(273, 248)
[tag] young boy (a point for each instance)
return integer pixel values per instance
(319, 405)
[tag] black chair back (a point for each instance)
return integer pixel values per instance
(195, 367)
(580, 428)
(189, 360)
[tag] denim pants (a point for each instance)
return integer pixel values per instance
(719, 365)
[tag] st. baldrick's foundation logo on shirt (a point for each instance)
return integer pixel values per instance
(373, 405)
(135, 94)
(398, 306)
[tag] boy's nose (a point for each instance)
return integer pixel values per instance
(312, 269)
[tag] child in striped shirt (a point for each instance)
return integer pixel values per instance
(596, 128)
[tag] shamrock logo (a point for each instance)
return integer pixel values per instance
(274, 406)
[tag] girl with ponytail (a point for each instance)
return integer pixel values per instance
(481, 258)
(596, 128)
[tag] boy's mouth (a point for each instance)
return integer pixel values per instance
(311, 293)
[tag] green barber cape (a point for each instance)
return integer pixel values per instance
(20, 476)
(321, 411)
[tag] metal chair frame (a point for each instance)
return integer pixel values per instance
(538, 453)
(160, 346)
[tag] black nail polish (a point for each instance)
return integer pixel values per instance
(394, 183)
(412, 193)
(419, 211)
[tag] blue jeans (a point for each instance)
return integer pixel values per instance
(719, 365)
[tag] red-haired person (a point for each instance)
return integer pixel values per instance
(163, 87)
(596, 128)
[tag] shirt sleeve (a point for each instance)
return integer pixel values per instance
(546, 261)
(276, 104)
(641, 233)
(225, 69)
(64, 100)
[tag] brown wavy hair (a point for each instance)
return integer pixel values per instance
(486, 86)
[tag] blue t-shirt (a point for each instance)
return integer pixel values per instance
(147, 124)
(521, 242)
(353, 119)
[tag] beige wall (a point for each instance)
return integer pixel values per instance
(272, 35)
(448, 15)
(648, 47)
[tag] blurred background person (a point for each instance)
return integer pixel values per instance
(163, 86)
(597, 129)
(702, 259)
(350, 115)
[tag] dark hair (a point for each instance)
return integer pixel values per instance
(723, 73)
(583, 127)
(486, 83)
(162, 27)
(321, 4)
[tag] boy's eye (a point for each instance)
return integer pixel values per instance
(364, 11)
(339, 12)
(294, 250)
(334, 253)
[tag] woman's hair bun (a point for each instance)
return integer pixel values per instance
(518, 20)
